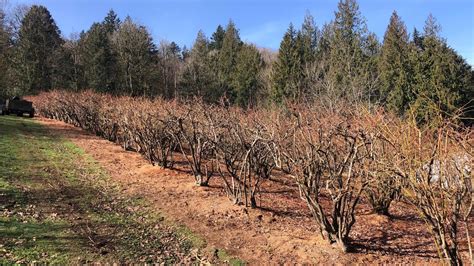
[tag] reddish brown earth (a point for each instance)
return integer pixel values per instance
(280, 232)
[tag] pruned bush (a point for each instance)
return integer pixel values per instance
(336, 155)
(329, 153)
(192, 134)
(436, 163)
(149, 130)
(382, 191)
(384, 186)
(244, 151)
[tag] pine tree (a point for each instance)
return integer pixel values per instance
(246, 83)
(201, 46)
(323, 57)
(369, 80)
(111, 22)
(346, 56)
(227, 58)
(217, 38)
(395, 73)
(307, 44)
(96, 54)
(135, 49)
(309, 35)
(324, 44)
(197, 78)
(99, 59)
(417, 38)
(175, 50)
(185, 53)
(39, 38)
(286, 68)
(442, 78)
(61, 66)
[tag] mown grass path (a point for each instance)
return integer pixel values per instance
(58, 206)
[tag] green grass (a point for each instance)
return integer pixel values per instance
(30, 241)
(223, 256)
(26, 176)
(58, 206)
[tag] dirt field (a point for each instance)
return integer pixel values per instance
(281, 231)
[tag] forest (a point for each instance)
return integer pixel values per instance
(415, 73)
(349, 120)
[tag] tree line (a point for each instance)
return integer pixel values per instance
(415, 74)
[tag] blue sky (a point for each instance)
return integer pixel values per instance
(262, 22)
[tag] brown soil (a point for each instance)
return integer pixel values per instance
(280, 231)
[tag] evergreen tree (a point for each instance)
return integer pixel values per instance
(370, 78)
(286, 68)
(201, 46)
(135, 50)
(442, 78)
(324, 44)
(96, 57)
(197, 78)
(307, 44)
(39, 38)
(111, 22)
(394, 66)
(309, 35)
(175, 50)
(62, 68)
(217, 38)
(293, 74)
(323, 57)
(246, 77)
(227, 58)
(346, 55)
(185, 53)
(417, 38)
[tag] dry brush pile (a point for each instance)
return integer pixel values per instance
(339, 155)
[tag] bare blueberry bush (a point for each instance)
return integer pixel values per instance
(192, 134)
(337, 156)
(329, 154)
(244, 154)
(436, 163)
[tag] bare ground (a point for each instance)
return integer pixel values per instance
(280, 231)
